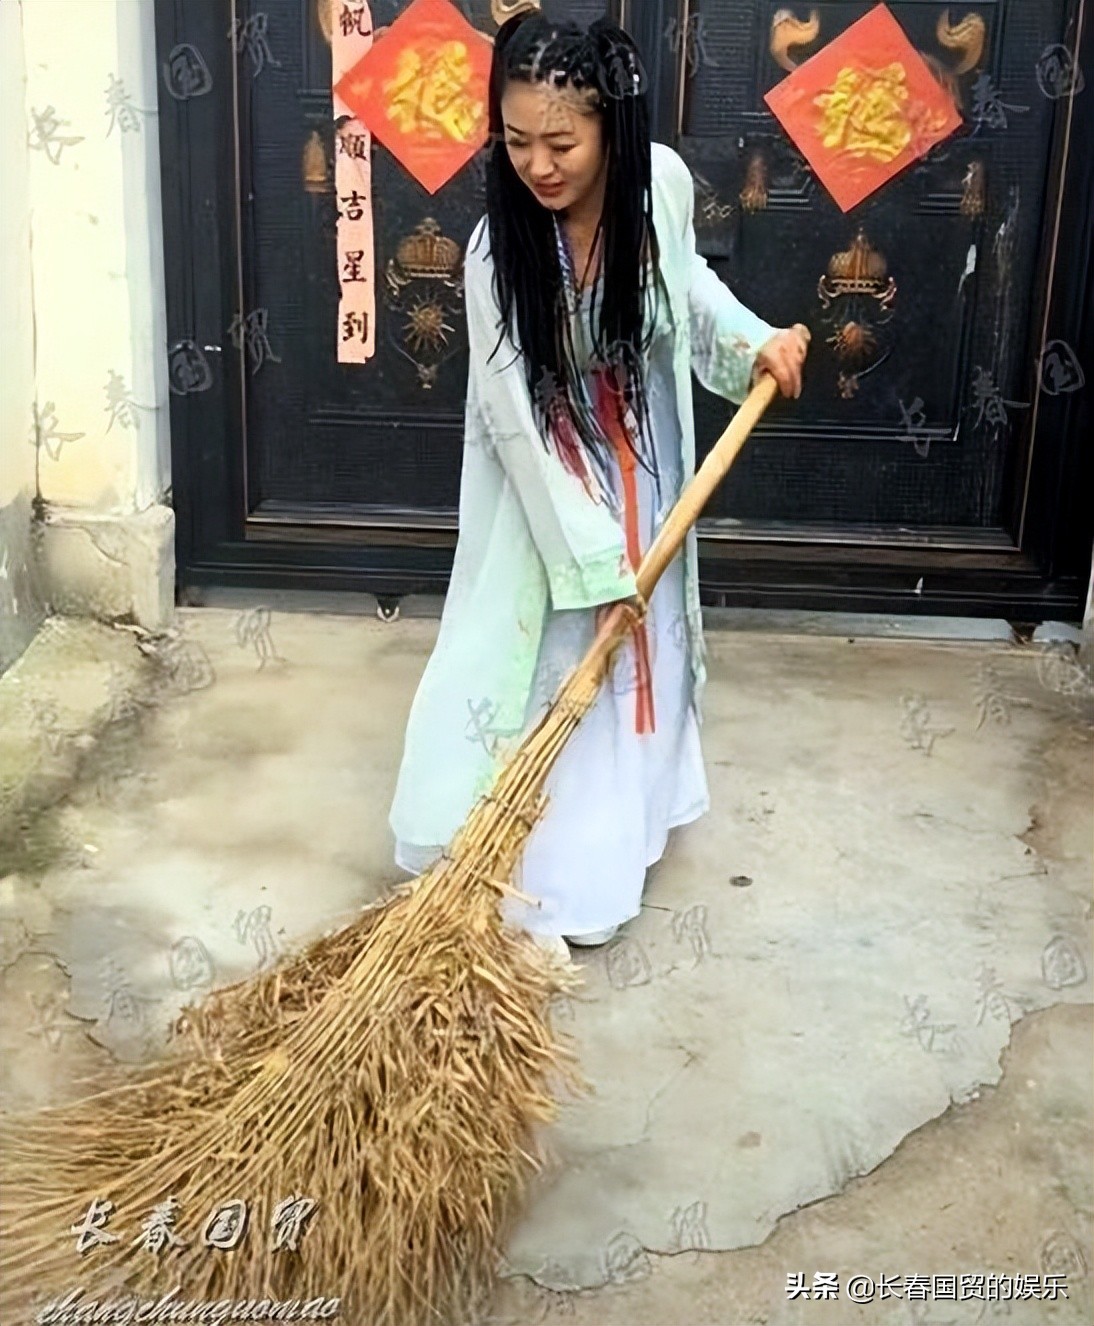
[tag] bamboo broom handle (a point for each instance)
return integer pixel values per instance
(691, 503)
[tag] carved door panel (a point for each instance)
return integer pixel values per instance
(921, 299)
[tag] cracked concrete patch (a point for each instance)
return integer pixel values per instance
(899, 921)
(895, 872)
(1000, 1184)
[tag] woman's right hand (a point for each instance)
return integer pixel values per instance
(783, 356)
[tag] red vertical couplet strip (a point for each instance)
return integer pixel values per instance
(609, 412)
(351, 40)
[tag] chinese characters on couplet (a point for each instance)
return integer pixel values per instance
(224, 1227)
(355, 327)
(355, 337)
(354, 21)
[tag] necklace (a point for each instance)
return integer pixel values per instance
(566, 263)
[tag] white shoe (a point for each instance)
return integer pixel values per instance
(593, 938)
(552, 943)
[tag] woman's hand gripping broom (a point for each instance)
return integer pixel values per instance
(617, 619)
(354, 1123)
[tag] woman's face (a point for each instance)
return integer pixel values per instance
(555, 142)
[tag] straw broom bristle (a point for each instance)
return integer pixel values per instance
(395, 1073)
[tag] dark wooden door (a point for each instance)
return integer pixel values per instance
(927, 301)
(931, 460)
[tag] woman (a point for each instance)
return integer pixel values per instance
(588, 309)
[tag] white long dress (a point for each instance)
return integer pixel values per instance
(614, 794)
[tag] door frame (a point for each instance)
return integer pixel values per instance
(1035, 568)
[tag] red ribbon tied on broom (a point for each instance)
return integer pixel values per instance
(611, 413)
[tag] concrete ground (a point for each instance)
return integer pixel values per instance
(849, 1035)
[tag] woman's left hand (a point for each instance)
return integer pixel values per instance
(783, 356)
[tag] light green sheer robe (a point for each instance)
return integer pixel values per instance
(532, 540)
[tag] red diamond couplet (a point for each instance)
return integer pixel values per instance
(863, 108)
(422, 90)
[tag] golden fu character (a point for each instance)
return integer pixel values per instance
(864, 112)
(429, 95)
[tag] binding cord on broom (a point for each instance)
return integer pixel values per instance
(503, 886)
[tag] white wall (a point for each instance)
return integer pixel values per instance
(84, 327)
(20, 606)
(96, 236)
(16, 324)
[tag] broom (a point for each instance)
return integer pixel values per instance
(355, 1124)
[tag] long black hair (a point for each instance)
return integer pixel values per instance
(602, 65)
